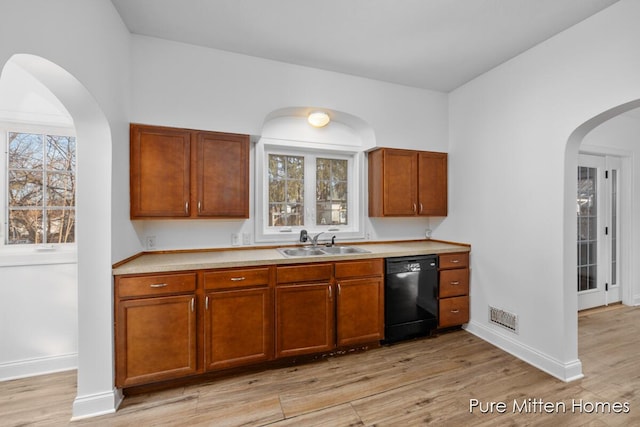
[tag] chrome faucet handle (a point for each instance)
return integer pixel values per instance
(314, 239)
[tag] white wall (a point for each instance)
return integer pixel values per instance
(181, 85)
(38, 319)
(88, 40)
(511, 185)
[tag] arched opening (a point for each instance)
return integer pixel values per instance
(95, 392)
(570, 256)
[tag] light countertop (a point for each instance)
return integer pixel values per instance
(201, 260)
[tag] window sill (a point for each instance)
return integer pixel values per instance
(293, 236)
(15, 257)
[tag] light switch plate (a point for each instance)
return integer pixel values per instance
(235, 239)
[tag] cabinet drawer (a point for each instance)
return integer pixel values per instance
(236, 278)
(454, 282)
(457, 260)
(453, 311)
(156, 285)
(305, 273)
(370, 267)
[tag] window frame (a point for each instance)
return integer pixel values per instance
(31, 253)
(353, 230)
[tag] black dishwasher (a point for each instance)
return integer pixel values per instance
(410, 297)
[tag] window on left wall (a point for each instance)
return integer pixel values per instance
(40, 188)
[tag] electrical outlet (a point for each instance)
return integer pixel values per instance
(427, 233)
(150, 242)
(246, 238)
(235, 239)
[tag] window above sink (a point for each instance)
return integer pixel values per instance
(302, 186)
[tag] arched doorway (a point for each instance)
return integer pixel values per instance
(570, 294)
(95, 392)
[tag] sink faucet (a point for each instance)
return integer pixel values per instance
(314, 239)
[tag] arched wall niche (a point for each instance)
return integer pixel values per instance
(345, 129)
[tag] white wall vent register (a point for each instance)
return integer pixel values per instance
(503, 318)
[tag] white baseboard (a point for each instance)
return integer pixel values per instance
(567, 372)
(38, 366)
(96, 404)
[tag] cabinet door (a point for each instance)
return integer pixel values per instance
(222, 175)
(360, 311)
(155, 339)
(160, 172)
(432, 184)
(304, 319)
(238, 328)
(400, 183)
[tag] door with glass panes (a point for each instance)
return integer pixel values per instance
(598, 243)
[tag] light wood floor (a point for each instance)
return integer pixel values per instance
(428, 381)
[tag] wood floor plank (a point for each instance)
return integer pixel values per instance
(428, 381)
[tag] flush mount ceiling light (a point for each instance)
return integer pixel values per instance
(318, 119)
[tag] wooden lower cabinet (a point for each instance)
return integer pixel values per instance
(238, 328)
(304, 319)
(359, 311)
(453, 289)
(155, 339)
(345, 309)
(360, 302)
(173, 325)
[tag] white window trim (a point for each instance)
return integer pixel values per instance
(354, 230)
(31, 254)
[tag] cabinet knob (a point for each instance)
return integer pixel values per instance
(455, 311)
(455, 283)
(237, 279)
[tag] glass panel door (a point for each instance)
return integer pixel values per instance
(597, 207)
(587, 209)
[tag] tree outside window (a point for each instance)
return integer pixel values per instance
(41, 188)
(326, 182)
(331, 191)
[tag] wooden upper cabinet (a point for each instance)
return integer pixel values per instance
(407, 183)
(160, 172)
(183, 173)
(222, 175)
(432, 183)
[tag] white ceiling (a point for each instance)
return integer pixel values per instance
(431, 44)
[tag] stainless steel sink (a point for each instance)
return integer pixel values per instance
(301, 251)
(339, 250)
(319, 251)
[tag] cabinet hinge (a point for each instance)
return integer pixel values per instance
(606, 231)
(606, 287)
(606, 174)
